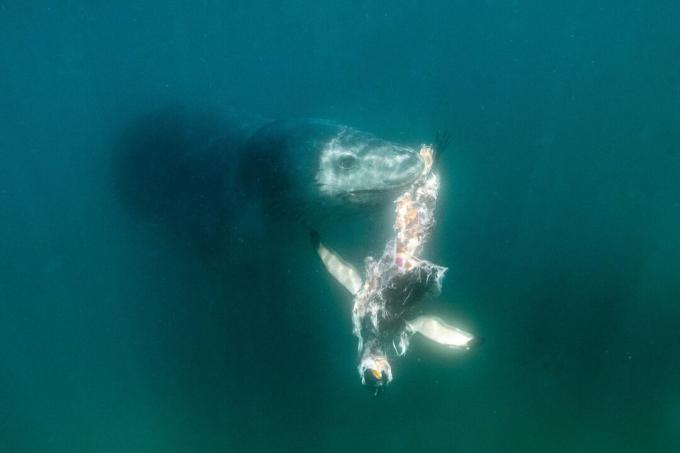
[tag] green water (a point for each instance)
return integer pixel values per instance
(558, 219)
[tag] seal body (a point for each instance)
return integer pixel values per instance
(174, 168)
(212, 180)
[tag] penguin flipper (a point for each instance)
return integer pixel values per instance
(434, 329)
(342, 271)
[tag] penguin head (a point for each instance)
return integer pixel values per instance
(375, 372)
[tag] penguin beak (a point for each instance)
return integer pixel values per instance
(376, 373)
(375, 381)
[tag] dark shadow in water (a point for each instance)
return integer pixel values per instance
(237, 333)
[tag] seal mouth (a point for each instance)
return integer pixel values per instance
(404, 169)
(403, 173)
(372, 196)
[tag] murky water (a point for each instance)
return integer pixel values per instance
(558, 219)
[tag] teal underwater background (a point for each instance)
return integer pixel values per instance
(559, 220)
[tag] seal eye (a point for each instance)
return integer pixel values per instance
(346, 162)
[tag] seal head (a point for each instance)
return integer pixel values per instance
(310, 168)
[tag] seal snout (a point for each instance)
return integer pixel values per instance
(404, 167)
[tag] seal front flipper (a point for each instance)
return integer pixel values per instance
(343, 272)
(440, 332)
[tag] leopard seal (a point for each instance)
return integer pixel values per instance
(214, 179)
